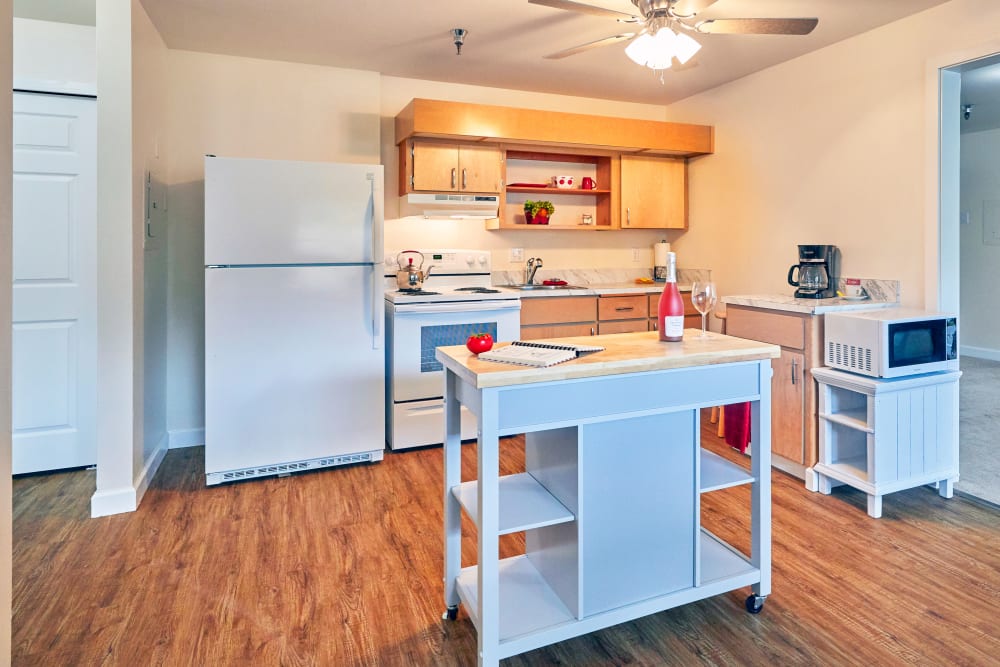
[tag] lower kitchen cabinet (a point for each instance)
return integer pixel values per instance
(625, 313)
(794, 424)
(558, 316)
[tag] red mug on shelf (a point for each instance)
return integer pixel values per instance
(588, 183)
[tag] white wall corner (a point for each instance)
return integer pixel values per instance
(126, 499)
(186, 437)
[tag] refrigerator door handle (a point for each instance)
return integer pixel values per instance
(378, 288)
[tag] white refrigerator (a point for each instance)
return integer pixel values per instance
(294, 359)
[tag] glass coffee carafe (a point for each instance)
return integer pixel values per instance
(812, 276)
(815, 273)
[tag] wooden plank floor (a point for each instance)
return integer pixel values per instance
(343, 567)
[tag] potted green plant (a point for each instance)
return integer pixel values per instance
(538, 212)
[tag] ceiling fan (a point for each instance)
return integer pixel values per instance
(655, 47)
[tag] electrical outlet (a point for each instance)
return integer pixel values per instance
(517, 254)
(635, 254)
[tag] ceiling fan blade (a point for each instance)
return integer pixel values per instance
(757, 26)
(607, 41)
(571, 6)
(685, 8)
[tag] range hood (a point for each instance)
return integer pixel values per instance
(445, 205)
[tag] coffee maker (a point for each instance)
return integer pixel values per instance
(818, 270)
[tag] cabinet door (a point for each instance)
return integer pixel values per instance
(479, 168)
(622, 326)
(435, 166)
(653, 192)
(788, 405)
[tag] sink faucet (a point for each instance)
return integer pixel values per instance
(534, 264)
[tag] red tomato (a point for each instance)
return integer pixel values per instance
(479, 343)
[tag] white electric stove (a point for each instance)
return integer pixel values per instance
(456, 302)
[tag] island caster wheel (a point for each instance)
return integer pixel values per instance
(450, 614)
(755, 603)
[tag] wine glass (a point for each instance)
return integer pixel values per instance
(704, 297)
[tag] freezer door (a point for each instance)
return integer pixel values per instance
(285, 212)
(291, 371)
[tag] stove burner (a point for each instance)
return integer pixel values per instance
(477, 290)
(417, 292)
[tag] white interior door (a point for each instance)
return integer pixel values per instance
(55, 299)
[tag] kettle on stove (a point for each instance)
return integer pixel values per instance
(410, 277)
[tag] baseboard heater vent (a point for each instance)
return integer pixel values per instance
(292, 466)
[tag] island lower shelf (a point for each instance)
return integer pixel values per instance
(528, 604)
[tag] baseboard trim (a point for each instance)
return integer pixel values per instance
(186, 437)
(113, 501)
(126, 499)
(980, 352)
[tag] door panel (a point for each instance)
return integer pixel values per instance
(787, 405)
(435, 166)
(292, 371)
(54, 370)
(289, 212)
(479, 169)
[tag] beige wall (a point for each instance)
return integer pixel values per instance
(828, 148)
(242, 107)
(980, 272)
(149, 96)
(6, 243)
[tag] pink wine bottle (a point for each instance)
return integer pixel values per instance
(670, 312)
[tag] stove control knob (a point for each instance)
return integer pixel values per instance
(389, 260)
(482, 260)
(470, 260)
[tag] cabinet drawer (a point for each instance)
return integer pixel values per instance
(557, 331)
(690, 322)
(689, 309)
(622, 307)
(767, 327)
(622, 326)
(558, 310)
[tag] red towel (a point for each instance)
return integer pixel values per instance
(738, 426)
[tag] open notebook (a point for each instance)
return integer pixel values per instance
(528, 353)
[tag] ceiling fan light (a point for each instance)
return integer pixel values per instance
(685, 47)
(637, 49)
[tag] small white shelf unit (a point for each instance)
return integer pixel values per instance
(886, 435)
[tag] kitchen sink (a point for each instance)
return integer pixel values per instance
(525, 286)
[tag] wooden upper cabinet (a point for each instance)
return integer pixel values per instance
(435, 166)
(653, 192)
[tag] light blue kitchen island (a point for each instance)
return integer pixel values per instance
(610, 500)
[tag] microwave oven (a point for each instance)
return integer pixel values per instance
(892, 342)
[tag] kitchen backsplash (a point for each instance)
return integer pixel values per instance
(584, 277)
(878, 290)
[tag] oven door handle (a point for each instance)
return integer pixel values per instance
(457, 307)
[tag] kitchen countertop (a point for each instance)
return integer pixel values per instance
(623, 353)
(789, 303)
(597, 289)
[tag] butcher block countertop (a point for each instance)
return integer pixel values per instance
(623, 353)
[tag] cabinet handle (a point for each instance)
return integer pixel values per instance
(463, 179)
(454, 175)
(622, 309)
(655, 324)
(591, 331)
(628, 216)
(794, 371)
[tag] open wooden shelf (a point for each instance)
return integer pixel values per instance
(557, 191)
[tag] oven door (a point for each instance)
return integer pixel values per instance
(418, 328)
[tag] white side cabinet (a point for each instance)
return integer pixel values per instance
(882, 436)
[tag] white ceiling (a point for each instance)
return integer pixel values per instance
(507, 41)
